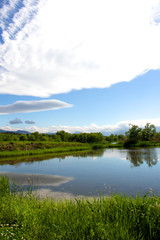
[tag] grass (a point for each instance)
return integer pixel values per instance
(10, 149)
(40, 151)
(139, 144)
(17, 149)
(114, 217)
(27, 148)
(28, 145)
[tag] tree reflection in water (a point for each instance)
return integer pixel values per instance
(139, 156)
(29, 160)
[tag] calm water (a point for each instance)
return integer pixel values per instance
(100, 172)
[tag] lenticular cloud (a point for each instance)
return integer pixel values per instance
(50, 47)
(32, 106)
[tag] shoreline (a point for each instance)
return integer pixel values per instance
(44, 181)
(55, 151)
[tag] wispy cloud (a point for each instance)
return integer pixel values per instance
(32, 106)
(16, 121)
(155, 18)
(29, 122)
(15, 14)
(52, 49)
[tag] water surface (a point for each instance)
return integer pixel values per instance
(99, 172)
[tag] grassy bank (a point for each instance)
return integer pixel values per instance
(148, 144)
(27, 148)
(126, 144)
(13, 149)
(114, 217)
(140, 144)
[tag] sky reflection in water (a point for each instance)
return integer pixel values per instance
(99, 172)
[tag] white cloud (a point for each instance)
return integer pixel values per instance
(119, 128)
(5, 12)
(63, 45)
(16, 121)
(32, 106)
(156, 13)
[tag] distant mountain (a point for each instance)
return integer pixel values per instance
(22, 132)
(17, 132)
(2, 130)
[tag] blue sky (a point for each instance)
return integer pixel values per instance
(63, 68)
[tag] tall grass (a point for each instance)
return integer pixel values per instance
(44, 151)
(114, 217)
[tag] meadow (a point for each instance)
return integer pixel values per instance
(25, 216)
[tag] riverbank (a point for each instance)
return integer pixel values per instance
(140, 144)
(111, 217)
(15, 149)
(26, 148)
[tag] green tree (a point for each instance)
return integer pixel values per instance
(23, 137)
(95, 138)
(44, 137)
(157, 137)
(148, 132)
(121, 137)
(82, 137)
(134, 133)
(111, 138)
(36, 135)
(63, 135)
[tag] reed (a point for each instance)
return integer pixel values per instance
(110, 217)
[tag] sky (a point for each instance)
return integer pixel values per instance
(79, 65)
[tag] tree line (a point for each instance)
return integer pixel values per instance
(132, 136)
(136, 134)
(60, 136)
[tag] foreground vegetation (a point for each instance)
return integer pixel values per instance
(113, 217)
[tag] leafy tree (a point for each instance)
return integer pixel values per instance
(55, 138)
(23, 137)
(31, 137)
(64, 135)
(36, 135)
(157, 137)
(148, 132)
(44, 137)
(134, 133)
(82, 137)
(15, 137)
(121, 137)
(95, 138)
(111, 138)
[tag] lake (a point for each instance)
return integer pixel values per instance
(106, 171)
